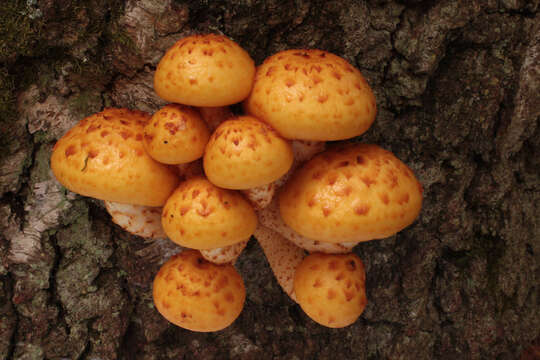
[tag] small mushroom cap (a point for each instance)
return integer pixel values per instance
(311, 95)
(205, 70)
(197, 295)
(176, 134)
(330, 288)
(103, 157)
(199, 215)
(354, 192)
(244, 153)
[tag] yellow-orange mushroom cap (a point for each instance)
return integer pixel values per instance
(352, 192)
(245, 153)
(330, 288)
(205, 70)
(311, 95)
(198, 295)
(103, 157)
(200, 215)
(176, 134)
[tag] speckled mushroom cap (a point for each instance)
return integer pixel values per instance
(199, 215)
(197, 295)
(103, 157)
(176, 134)
(353, 192)
(330, 288)
(205, 70)
(244, 153)
(311, 95)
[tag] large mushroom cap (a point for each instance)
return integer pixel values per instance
(244, 153)
(354, 192)
(199, 215)
(330, 288)
(205, 70)
(103, 157)
(176, 134)
(311, 95)
(197, 295)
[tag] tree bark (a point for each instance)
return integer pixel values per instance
(458, 91)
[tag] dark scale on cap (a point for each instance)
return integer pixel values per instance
(333, 265)
(361, 209)
(70, 150)
(331, 294)
(349, 295)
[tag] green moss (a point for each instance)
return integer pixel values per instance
(121, 38)
(7, 102)
(20, 26)
(7, 86)
(85, 103)
(41, 167)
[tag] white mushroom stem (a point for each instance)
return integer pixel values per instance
(144, 221)
(270, 218)
(282, 255)
(213, 116)
(303, 151)
(226, 254)
(261, 196)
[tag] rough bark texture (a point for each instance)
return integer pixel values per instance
(458, 90)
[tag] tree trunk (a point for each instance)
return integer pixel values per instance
(458, 92)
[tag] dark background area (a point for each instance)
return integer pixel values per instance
(458, 91)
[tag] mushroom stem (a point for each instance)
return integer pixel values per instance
(303, 151)
(282, 255)
(191, 169)
(144, 221)
(226, 254)
(261, 196)
(270, 218)
(213, 116)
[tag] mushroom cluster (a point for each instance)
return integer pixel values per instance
(209, 180)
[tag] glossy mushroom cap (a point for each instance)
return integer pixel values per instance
(197, 295)
(354, 192)
(311, 95)
(205, 70)
(103, 157)
(244, 153)
(330, 288)
(199, 215)
(176, 134)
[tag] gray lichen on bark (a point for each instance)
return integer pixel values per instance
(458, 92)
